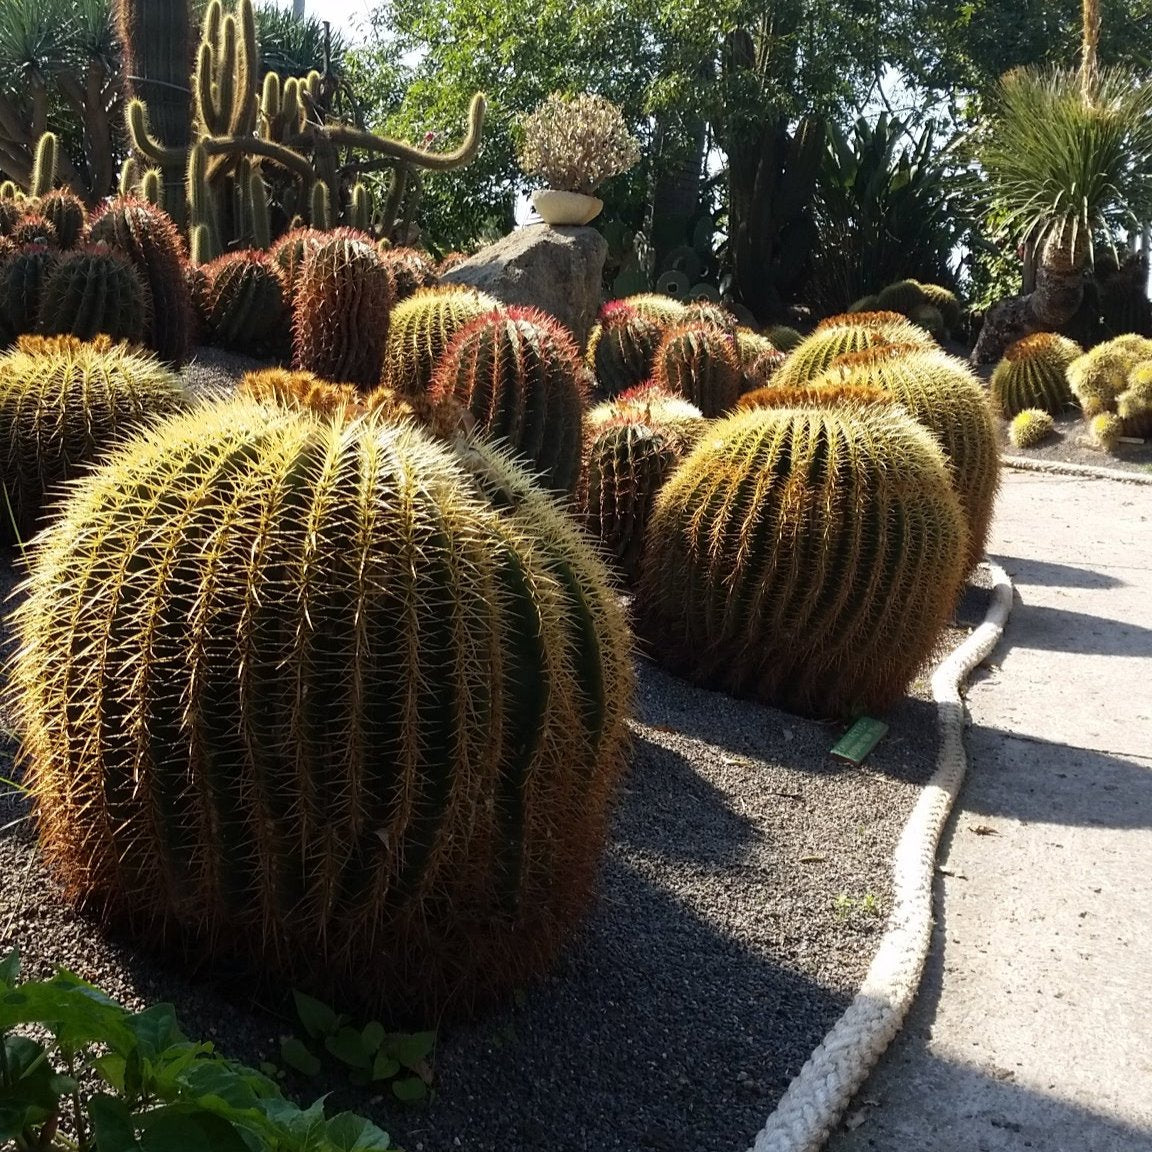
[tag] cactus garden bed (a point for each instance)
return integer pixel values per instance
(1071, 444)
(744, 888)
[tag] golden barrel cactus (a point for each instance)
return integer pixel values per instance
(1034, 374)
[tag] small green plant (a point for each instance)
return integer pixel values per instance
(866, 905)
(370, 1054)
(104, 1079)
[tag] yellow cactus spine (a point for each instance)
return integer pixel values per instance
(1033, 374)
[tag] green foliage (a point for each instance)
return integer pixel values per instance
(519, 374)
(1033, 375)
(293, 47)
(128, 1081)
(827, 600)
(367, 741)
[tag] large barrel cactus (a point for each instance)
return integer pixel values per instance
(519, 373)
(422, 328)
(942, 393)
(622, 347)
(94, 290)
(290, 252)
(806, 557)
(841, 335)
(700, 362)
(147, 236)
(325, 698)
(1033, 374)
(22, 277)
(242, 303)
(340, 311)
(62, 403)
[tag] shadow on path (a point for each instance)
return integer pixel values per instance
(1052, 575)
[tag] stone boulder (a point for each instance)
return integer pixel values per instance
(555, 269)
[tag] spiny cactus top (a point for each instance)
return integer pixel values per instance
(1101, 374)
(1033, 374)
(700, 362)
(622, 346)
(809, 558)
(340, 702)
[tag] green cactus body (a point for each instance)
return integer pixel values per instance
(665, 310)
(1033, 374)
(1134, 404)
(808, 558)
(942, 394)
(10, 213)
(647, 404)
(44, 167)
(62, 403)
(33, 228)
(815, 353)
(783, 337)
(340, 312)
(905, 296)
(518, 372)
(1099, 376)
(1106, 429)
(622, 347)
(353, 706)
(93, 290)
(410, 270)
(1030, 426)
(627, 464)
(147, 236)
(865, 304)
(931, 319)
(700, 362)
(65, 212)
(948, 303)
(22, 277)
(243, 304)
(290, 252)
(421, 329)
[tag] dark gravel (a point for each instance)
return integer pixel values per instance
(744, 890)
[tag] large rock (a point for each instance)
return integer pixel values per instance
(556, 269)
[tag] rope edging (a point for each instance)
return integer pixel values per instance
(1061, 468)
(817, 1097)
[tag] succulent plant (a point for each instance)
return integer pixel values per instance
(622, 347)
(805, 557)
(626, 465)
(1033, 374)
(948, 303)
(22, 276)
(358, 715)
(646, 404)
(32, 228)
(895, 327)
(782, 336)
(290, 252)
(815, 353)
(658, 306)
(942, 394)
(242, 305)
(65, 212)
(147, 236)
(1030, 426)
(411, 270)
(865, 304)
(1099, 376)
(1134, 404)
(905, 296)
(62, 403)
(301, 390)
(10, 213)
(92, 290)
(931, 319)
(518, 372)
(341, 310)
(1106, 429)
(700, 363)
(817, 395)
(422, 327)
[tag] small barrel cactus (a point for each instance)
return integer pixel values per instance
(1034, 374)
(700, 362)
(1030, 426)
(32, 228)
(22, 277)
(666, 310)
(760, 359)
(422, 327)
(65, 212)
(942, 394)
(947, 302)
(358, 714)
(340, 312)
(1099, 376)
(1106, 429)
(806, 557)
(62, 403)
(622, 347)
(647, 404)
(147, 236)
(931, 319)
(783, 336)
(627, 464)
(93, 290)
(518, 372)
(905, 296)
(242, 305)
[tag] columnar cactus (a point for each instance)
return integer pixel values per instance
(358, 712)
(341, 311)
(622, 347)
(700, 363)
(942, 394)
(147, 236)
(243, 305)
(422, 327)
(93, 290)
(62, 403)
(22, 277)
(1033, 374)
(518, 372)
(808, 558)
(1030, 426)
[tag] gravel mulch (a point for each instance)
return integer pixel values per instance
(744, 889)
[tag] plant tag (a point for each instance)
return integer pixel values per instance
(859, 740)
(1130, 439)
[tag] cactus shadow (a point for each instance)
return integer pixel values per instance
(1042, 627)
(1026, 570)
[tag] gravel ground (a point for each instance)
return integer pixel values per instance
(1072, 444)
(744, 890)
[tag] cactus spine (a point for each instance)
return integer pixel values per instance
(94, 290)
(367, 738)
(622, 347)
(700, 362)
(808, 558)
(1033, 374)
(65, 212)
(243, 304)
(22, 277)
(519, 374)
(44, 167)
(340, 311)
(1030, 427)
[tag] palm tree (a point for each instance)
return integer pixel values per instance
(1068, 159)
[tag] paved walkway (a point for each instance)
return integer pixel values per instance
(1033, 1027)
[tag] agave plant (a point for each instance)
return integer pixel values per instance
(1068, 157)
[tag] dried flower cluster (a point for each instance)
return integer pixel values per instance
(576, 144)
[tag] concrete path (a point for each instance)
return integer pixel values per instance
(1033, 1027)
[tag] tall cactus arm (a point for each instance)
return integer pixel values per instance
(350, 137)
(237, 146)
(136, 117)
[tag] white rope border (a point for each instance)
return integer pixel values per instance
(1061, 468)
(817, 1097)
